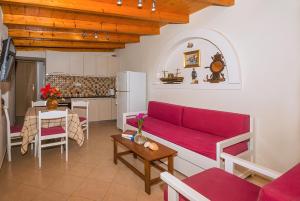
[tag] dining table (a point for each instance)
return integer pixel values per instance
(30, 126)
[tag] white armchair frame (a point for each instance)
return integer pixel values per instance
(130, 115)
(85, 105)
(176, 187)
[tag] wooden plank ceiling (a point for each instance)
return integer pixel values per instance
(92, 25)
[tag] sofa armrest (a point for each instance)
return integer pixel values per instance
(235, 140)
(176, 187)
(230, 161)
(131, 114)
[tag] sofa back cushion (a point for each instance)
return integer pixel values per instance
(284, 188)
(225, 124)
(165, 112)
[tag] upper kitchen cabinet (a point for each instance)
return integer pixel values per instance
(113, 65)
(89, 64)
(102, 65)
(57, 62)
(76, 63)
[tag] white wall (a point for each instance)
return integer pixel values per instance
(266, 36)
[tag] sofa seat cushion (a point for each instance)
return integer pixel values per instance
(199, 142)
(218, 185)
(284, 188)
(224, 124)
(165, 112)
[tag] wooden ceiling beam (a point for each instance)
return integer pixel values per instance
(79, 24)
(72, 36)
(219, 2)
(66, 44)
(104, 8)
(62, 49)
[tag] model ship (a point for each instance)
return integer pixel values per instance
(171, 78)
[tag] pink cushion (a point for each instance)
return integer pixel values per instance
(218, 185)
(81, 119)
(165, 112)
(284, 188)
(199, 142)
(52, 130)
(16, 128)
(224, 124)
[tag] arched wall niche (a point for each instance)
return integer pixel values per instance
(209, 42)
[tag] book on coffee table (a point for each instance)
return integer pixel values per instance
(129, 134)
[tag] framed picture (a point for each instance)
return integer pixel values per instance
(192, 59)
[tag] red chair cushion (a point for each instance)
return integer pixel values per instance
(165, 112)
(284, 188)
(81, 119)
(218, 185)
(199, 142)
(16, 128)
(224, 124)
(52, 130)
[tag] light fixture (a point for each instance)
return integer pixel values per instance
(153, 5)
(96, 35)
(140, 3)
(84, 34)
(119, 2)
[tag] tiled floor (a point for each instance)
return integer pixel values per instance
(89, 175)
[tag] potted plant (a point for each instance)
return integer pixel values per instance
(51, 94)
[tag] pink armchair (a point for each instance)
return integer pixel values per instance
(219, 185)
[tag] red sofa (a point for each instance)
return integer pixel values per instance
(194, 129)
(217, 185)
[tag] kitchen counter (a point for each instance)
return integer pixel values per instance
(66, 98)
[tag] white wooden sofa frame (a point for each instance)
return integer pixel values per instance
(189, 162)
(177, 187)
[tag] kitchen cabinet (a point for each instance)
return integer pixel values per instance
(102, 66)
(57, 62)
(89, 64)
(113, 65)
(104, 109)
(76, 63)
(113, 108)
(100, 109)
(82, 64)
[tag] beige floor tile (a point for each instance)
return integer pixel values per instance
(119, 192)
(92, 189)
(66, 184)
(78, 198)
(47, 195)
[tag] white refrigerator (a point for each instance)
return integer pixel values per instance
(130, 94)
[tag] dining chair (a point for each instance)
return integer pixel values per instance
(55, 132)
(13, 134)
(38, 103)
(84, 120)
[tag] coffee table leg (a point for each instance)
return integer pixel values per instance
(171, 164)
(115, 152)
(147, 177)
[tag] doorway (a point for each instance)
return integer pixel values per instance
(30, 75)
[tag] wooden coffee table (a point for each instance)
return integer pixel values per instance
(148, 157)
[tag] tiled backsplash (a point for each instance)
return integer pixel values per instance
(79, 86)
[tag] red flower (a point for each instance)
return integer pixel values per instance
(50, 92)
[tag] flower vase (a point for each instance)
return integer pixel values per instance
(139, 138)
(52, 103)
